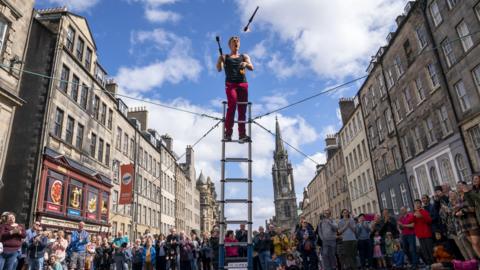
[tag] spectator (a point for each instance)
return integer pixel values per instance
(377, 250)
(308, 251)
(161, 252)
(11, 235)
(231, 251)
(398, 257)
(262, 245)
(467, 217)
(327, 229)
(59, 247)
(280, 244)
(242, 236)
(406, 225)
(103, 256)
(148, 255)
(53, 263)
(346, 228)
(362, 230)
(214, 240)
(422, 222)
(77, 247)
(36, 251)
(206, 253)
(137, 255)
(186, 253)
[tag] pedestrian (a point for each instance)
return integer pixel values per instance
(53, 263)
(186, 253)
(389, 243)
(408, 240)
(161, 252)
(231, 250)
(362, 230)
(103, 256)
(327, 230)
(195, 249)
(377, 251)
(422, 226)
(214, 244)
(36, 251)
(398, 257)
(262, 245)
(148, 255)
(137, 255)
(59, 248)
(280, 244)
(467, 217)
(11, 236)
(346, 228)
(172, 243)
(236, 87)
(308, 251)
(77, 247)
(90, 254)
(242, 235)
(206, 252)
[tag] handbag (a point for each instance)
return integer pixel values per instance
(1, 248)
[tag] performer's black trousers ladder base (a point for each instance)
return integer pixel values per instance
(222, 260)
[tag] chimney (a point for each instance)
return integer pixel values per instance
(347, 107)
(141, 114)
(320, 168)
(168, 142)
(331, 145)
(112, 87)
(190, 161)
(399, 20)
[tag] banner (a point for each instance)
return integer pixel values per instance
(126, 187)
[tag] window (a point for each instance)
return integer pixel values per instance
(406, 147)
(364, 147)
(380, 129)
(371, 133)
(451, 3)
(477, 11)
(390, 79)
(448, 52)
(423, 180)
(420, 89)
(408, 52)
(432, 72)
(348, 165)
(74, 88)
(79, 139)
(107, 154)
(64, 79)
(418, 138)
(125, 144)
(446, 172)
(115, 203)
(389, 120)
(69, 130)
(100, 149)
(398, 66)
(475, 137)
(461, 167)
(464, 35)
(407, 97)
(70, 38)
(396, 111)
(444, 121)
(355, 159)
(463, 98)
(58, 126)
(378, 165)
(80, 46)
(93, 145)
(132, 149)
(84, 96)
(384, 200)
(381, 86)
(103, 114)
(434, 177)
(96, 106)
(430, 130)
(414, 186)
(435, 12)
(396, 157)
(118, 141)
(385, 163)
(365, 104)
(109, 122)
(403, 194)
(88, 59)
(393, 197)
(421, 36)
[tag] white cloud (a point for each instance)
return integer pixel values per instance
(178, 65)
(328, 130)
(333, 38)
(76, 5)
(305, 171)
(160, 16)
(259, 52)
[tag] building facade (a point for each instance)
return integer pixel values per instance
(358, 165)
(315, 198)
(454, 26)
(285, 200)
(15, 18)
(209, 211)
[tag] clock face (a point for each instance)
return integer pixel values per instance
(284, 189)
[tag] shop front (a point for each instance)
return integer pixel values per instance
(69, 193)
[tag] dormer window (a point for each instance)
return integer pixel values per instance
(80, 46)
(70, 38)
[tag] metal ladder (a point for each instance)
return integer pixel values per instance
(222, 260)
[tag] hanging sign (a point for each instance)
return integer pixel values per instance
(126, 186)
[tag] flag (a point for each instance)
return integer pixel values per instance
(126, 186)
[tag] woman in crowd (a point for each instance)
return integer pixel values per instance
(346, 228)
(137, 253)
(160, 249)
(186, 253)
(91, 246)
(231, 251)
(103, 256)
(148, 255)
(465, 213)
(59, 247)
(11, 235)
(206, 252)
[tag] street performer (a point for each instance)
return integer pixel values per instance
(236, 87)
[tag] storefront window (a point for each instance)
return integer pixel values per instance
(104, 207)
(55, 191)
(75, 198)
(92, 203)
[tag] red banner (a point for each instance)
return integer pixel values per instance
(126, 188)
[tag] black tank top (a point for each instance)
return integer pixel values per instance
(232, 69)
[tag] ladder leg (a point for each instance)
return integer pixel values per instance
(250, 199)
(221, 246)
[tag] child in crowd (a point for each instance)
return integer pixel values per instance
(389, 248)
(53, 263)
(377, 251)
(291, 262)
(398, 257)
(275, 262)
(443, 258)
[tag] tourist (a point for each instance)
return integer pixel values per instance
(11, 235)
(77, 247)
(346, 228)
(327, 230)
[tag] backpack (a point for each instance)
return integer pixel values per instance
(1, 248)
(465, 265)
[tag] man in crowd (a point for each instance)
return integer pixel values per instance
(406, 226)
(422, 226)
(77, 247)
(327, 230)
(173, 241)
(262, 245)
(242, 236)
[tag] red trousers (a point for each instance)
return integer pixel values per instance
(236, 92)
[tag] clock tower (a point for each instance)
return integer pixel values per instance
(283, 185)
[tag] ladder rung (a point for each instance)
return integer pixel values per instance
(236, 222)
(236, 201)
(232, 141)
(243, 103)
(236, 180)
(236, 244)
(236, 160)
(241, 122)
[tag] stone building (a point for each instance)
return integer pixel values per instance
(209, 211)
(14, 30)
(168, 171)
(285, 200)
(336, 180)
(192, 194)
(358, 165)
(316, 193)
(454, 26)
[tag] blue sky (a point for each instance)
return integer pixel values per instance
(165, 51)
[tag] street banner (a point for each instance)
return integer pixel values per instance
(127, 181)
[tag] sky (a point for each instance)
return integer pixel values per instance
(164, 51)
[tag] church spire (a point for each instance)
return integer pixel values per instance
(278, 138)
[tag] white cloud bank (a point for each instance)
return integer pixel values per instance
(76, 5)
